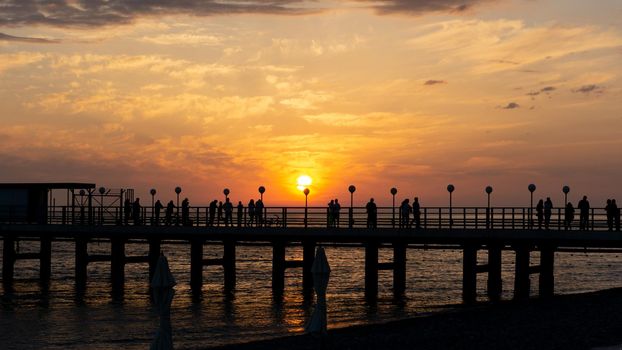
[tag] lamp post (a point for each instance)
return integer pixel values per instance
(532, 189)
(102, 190)
(488, 192)
(351, 189)
(178, 191)
(226, 193)
(261, 190)
(306, 192)
(393, 193)
(450, 189)
(153, 193)
(565, 189)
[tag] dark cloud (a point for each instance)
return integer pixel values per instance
(21, 39)
(586, 89)
(533, 93)
(96, 13)
(548, 89)
(416, 7)
(511, 105)
(434, 82)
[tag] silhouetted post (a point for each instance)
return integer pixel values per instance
(399, 268)
(229, 264)
(102, 190)
(153, 193)
(306, 192)
(531, 189)
(308, 255)
(488, 192)
(351, 189)
(521, 272)
(154, 255)
(261, 190)
(45, 259)
(495, 282)
(278, 267)
(565, 189)
(547, 269)
(196, 264)
(81, 261)
(371, 270)
(393, 193)
(177, 191)
(469, 273)
(8, 259)
(450, 189)
(117, 262)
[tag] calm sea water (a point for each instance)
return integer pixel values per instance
(61, 318)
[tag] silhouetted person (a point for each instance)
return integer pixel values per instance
(212, 212)
(584, 213)
(136, 211)
(259, 214)
(568, 216)
(156, 212)
(609, 211)
(219, 218)
(548, 210)
(540, 213)
(331, 213)
(185, 212)
(228, 208)
(251, 213)
(240, 213)
(168, 214)
(616, 214)
(127, 210)
(417, 213)
(372, 214)
(405, 210)
(337, 212)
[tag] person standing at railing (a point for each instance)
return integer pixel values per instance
(127, 210)
(259, 212)
(156, 212)
(405, 210)
(168, 215)
(568, 216)
(417, 213)
(185, 213)
(136, 211)
(609, 212)
(337, 212)
(540, 213)
(251, 213)
(584, 213)
(372, 214)
(212, 212)
(228, 207)
(331, 213)
(616, 214)
(548, 210)
(219, 218)
(240, 213)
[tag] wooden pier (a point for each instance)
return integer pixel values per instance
(523, 242)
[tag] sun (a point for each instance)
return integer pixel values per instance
(303, 182)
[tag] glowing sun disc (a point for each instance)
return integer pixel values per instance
(303, 182)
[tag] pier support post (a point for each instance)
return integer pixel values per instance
(81, 261)
(154, 255)
(117, 262)
(278, 267)
(547, 268)
(8, 259)
(308, 255)
(469, 273)
(371, 270)
(196, 264)
(495, 284)
(45, 259)
(521, 274)
(399, 269)
(229, 264)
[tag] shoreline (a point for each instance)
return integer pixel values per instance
(574, 321)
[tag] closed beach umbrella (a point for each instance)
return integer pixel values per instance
(163, 292)
(321, 275)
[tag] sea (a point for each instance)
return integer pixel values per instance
(58, 316)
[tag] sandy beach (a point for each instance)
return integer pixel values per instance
(580, 321)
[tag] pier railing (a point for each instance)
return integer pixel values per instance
(314, 217)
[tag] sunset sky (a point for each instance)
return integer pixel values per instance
(413, 94)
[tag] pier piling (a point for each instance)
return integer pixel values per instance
(547, 269)
(469, 273)
(196, 264)
(399, 268)
(278, 267)
(521, 274)
(308, 255)
(117, 261)
(371, 270)
(8, 259)
(229, 264)
(495, 284)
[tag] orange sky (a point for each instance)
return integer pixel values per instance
(413, 94)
